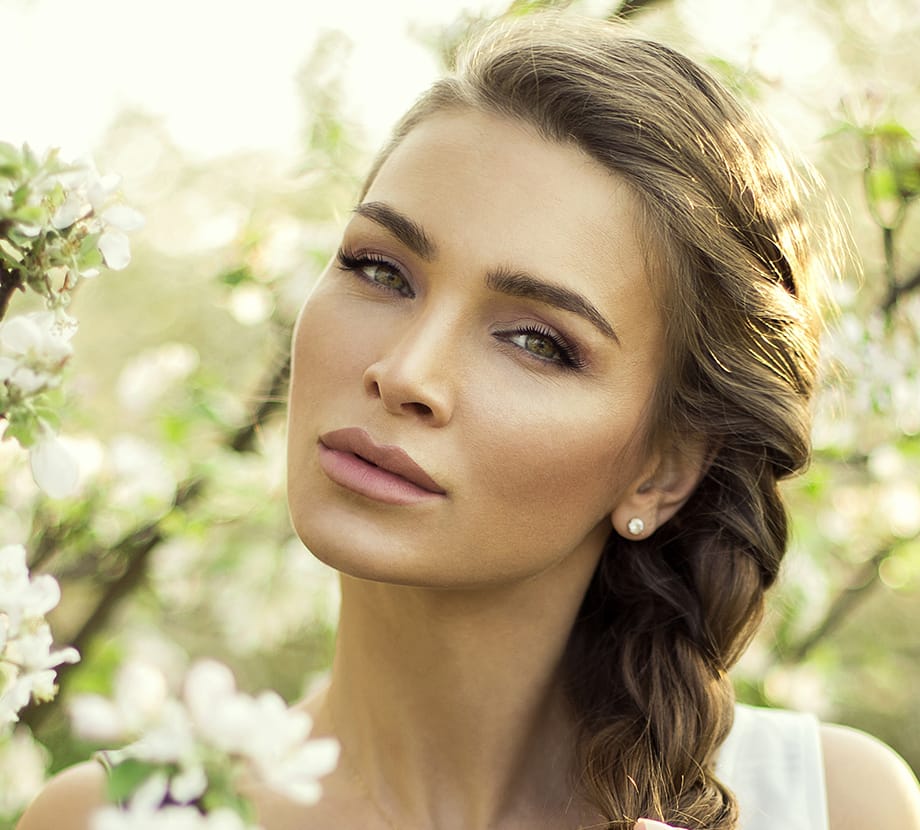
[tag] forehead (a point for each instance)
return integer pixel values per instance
(489, 188)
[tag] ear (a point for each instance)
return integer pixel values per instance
(662, 488)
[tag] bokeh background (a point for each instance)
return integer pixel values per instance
(241, 132)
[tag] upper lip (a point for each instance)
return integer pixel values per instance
(391, 458)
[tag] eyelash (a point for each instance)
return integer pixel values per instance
(353, 263)
(569, 356)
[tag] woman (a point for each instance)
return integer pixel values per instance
(540, 404)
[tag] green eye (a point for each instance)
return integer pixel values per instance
(541, 346)
(544, 346)
(386, 276)
(376, 271)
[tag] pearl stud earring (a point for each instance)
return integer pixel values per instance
(635, 526)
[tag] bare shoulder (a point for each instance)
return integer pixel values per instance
(67, 800)
(868, 784)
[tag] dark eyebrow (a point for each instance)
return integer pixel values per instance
(504, 280)
(522, 284)
(407, 231)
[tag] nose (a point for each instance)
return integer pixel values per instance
(413, 374)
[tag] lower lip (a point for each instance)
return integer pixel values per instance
(353, 473)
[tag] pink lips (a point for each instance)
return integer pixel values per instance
(350, 458)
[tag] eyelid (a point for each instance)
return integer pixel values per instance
(352, 262)
(571, 356)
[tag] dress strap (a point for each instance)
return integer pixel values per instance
(772, 761)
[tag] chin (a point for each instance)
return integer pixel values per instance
(356, 551)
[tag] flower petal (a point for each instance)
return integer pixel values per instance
(95, 719)
(54, 469)
(44, 594)
(7, 367)
(115, 249)
(20, 335)
(74, 208)
(123, 217)
(188, 784)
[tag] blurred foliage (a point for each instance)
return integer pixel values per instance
(179, 543)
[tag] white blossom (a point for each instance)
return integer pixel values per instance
(167, 739)
(27, 381)
(22, 771)
(123, 217)
(74, 208)
(115, 249)
(147, 377)
(263, 729)
(211, 720)
(251, 304)
(41, 338)
(7, 367)
(189, 784)
(33, 349)
(27, 659)
(23, 597)
(54, 467)
(139, 696)
(142, 475)
(295, 772)
(145, 812)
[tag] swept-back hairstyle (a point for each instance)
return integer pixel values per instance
(664, 618)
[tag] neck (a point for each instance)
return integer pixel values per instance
(449, 704)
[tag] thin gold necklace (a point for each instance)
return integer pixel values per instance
(356, 776)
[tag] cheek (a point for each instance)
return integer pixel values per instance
(328, 351)
(557, 458)
(553, 476)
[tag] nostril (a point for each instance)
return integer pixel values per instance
(418, 408)
(406, 392)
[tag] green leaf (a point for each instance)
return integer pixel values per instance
(237, 276)
(20, 195)
(51, 417)
(890, 131)
(125, 777)
(881, 184)
(88, 245)
(22, 429)
(10, 161)
(907, 176)
(215, 798)
(90, 258)
(31, 214)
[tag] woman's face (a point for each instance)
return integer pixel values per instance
(488, 316)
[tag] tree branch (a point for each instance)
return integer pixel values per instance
(135, 548)
(271, 399)
(849, 597)
(896, 291)
(9, 282)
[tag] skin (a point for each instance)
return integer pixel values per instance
(534, 457)
(456, 610)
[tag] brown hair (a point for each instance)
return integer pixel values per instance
(664, 618)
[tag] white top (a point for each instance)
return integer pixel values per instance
(772, 762)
